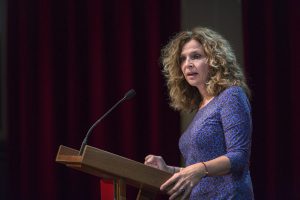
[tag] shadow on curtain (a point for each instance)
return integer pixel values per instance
(271, 32)
(67, 63)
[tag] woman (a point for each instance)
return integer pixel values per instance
(202, 74)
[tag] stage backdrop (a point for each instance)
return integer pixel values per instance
(271, 32)
(69, 61)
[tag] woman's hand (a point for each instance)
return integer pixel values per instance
(157, 162)
(182, 183)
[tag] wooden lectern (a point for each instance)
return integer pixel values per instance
(123, 171)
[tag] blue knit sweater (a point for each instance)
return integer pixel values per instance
(222, 127)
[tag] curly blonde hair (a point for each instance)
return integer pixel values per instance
(224, 70)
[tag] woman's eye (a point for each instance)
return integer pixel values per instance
(196, 56)
(181, 59)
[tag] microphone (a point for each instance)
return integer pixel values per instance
(131, 93)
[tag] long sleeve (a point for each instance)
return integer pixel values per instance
(237, 125)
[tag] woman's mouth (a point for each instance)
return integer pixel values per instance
(191, 74)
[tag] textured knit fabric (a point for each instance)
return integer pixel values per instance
(222, 127)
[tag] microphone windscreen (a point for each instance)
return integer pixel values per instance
(131, 93)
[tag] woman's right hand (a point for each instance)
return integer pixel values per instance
(157, 162)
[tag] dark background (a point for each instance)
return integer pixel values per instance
(64, 63)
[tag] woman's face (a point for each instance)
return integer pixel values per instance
(194, 63)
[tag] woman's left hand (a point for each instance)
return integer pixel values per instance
(182, 183)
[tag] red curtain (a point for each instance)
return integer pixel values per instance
(68, 61)
(271, 32)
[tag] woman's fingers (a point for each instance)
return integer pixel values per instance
(156, 161)
(149, 157)
(149, 160)
(171, 181)
(186, 193)
(152, 158)
(180, 184)
(176, 194)
(181, 189)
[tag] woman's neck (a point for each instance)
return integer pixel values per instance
(206, 97)
(205, 101)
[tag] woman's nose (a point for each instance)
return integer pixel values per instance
(188, 62)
